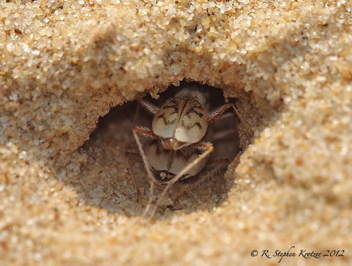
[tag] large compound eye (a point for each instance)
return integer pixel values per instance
(166, 119)
(181, 119)
(193, 123)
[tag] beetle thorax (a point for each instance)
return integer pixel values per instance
(181, 121)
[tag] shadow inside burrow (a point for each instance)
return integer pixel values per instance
(106, 180)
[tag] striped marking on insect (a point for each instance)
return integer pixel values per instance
(175, 149)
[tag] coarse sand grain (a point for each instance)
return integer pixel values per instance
(66, 197)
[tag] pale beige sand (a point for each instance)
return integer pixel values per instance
(64, 64)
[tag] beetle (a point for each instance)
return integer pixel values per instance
(183, 120)
(175, 149)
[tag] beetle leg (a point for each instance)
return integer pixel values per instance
(226, 116)
(207, 148)
(242, 119)
(146, 164)
(215, 114)
(222, 109)
(151, 108)
(145, 132)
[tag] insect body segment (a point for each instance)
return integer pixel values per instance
(181, 121)
(166, 164)
(175, 149)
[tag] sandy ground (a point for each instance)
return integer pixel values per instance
(66, 196)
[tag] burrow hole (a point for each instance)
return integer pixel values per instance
(107, 182)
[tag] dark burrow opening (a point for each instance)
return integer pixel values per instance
(111, 152)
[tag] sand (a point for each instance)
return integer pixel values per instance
(66, 197)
